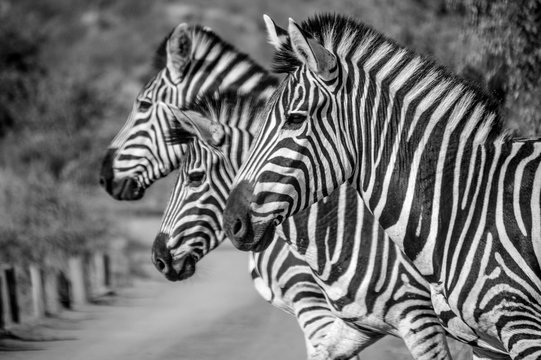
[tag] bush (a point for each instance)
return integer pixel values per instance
(42, 219)
(50, 116)
(54, 130)
(19, 65)
(508, 35)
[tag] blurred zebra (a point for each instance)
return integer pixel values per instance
(191, 61)
(428, 155)
(384, 294)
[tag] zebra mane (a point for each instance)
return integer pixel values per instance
(228, 108)
(201, 34)
(160, 56)
(177, 135)
(320, 27)
(344, 35)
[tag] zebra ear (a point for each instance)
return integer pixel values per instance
(179, 48)
(277, 36)
(196, 124)
(318, 59)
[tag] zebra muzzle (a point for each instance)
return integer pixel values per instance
(238, 225)
(174, 268)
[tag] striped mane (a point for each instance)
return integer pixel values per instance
(347, 37)
(228, 108)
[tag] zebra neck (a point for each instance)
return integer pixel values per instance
(409, 148)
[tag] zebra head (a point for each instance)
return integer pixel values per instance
(192, 223)
(300, 155)
(191, 62)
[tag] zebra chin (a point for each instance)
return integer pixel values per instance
(127, 189)
(183, 268)
(173, 268)
(239, 227)
(258, 239)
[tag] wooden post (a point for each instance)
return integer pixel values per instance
(99, 278)
(4, 299)
(11, 283)
(36, 280)
(64, 290)
(107, 270)
(2, 321)
(52, 297)
(77, 278)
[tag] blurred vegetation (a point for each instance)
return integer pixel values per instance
(507, 35)
(70, 69)
(41, 222)
(49, 118)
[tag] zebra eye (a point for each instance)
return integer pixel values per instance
(295, 120)
(196, 178)
(144, 105)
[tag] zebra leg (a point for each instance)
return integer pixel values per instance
(528, 347)
(479, 354)
(426, 342)
(326, 336)
(316, 321)
(342, 341)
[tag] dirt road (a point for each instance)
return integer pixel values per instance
(215, 315)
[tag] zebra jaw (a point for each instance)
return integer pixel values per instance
(126, 188)
(239, 227)
(184, 266)
(173, 267)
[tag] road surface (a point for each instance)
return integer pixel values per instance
(214, 315)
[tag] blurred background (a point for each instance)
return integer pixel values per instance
(69, 72)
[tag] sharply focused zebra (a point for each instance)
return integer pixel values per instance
(427, 154)
(191, 61)
(402, 308)
(386, 294)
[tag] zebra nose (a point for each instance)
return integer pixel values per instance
(106, 172)
(161, 264)
(106, 183)
(237, 222)
(161, 258)
(239, 228)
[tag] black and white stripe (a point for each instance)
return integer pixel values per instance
(384, 294)
(428, 155)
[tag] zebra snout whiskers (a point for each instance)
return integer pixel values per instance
(161, 257)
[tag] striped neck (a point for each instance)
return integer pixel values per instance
(415, 124)
(412, 117)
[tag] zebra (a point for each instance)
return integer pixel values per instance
(387, 296)
(141, 154)
(431, 160)
(190, 61)
(153, 121)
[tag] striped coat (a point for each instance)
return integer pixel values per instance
(428, 155)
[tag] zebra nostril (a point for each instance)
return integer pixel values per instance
(102, 181)
(238, 227)
(160, 264)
